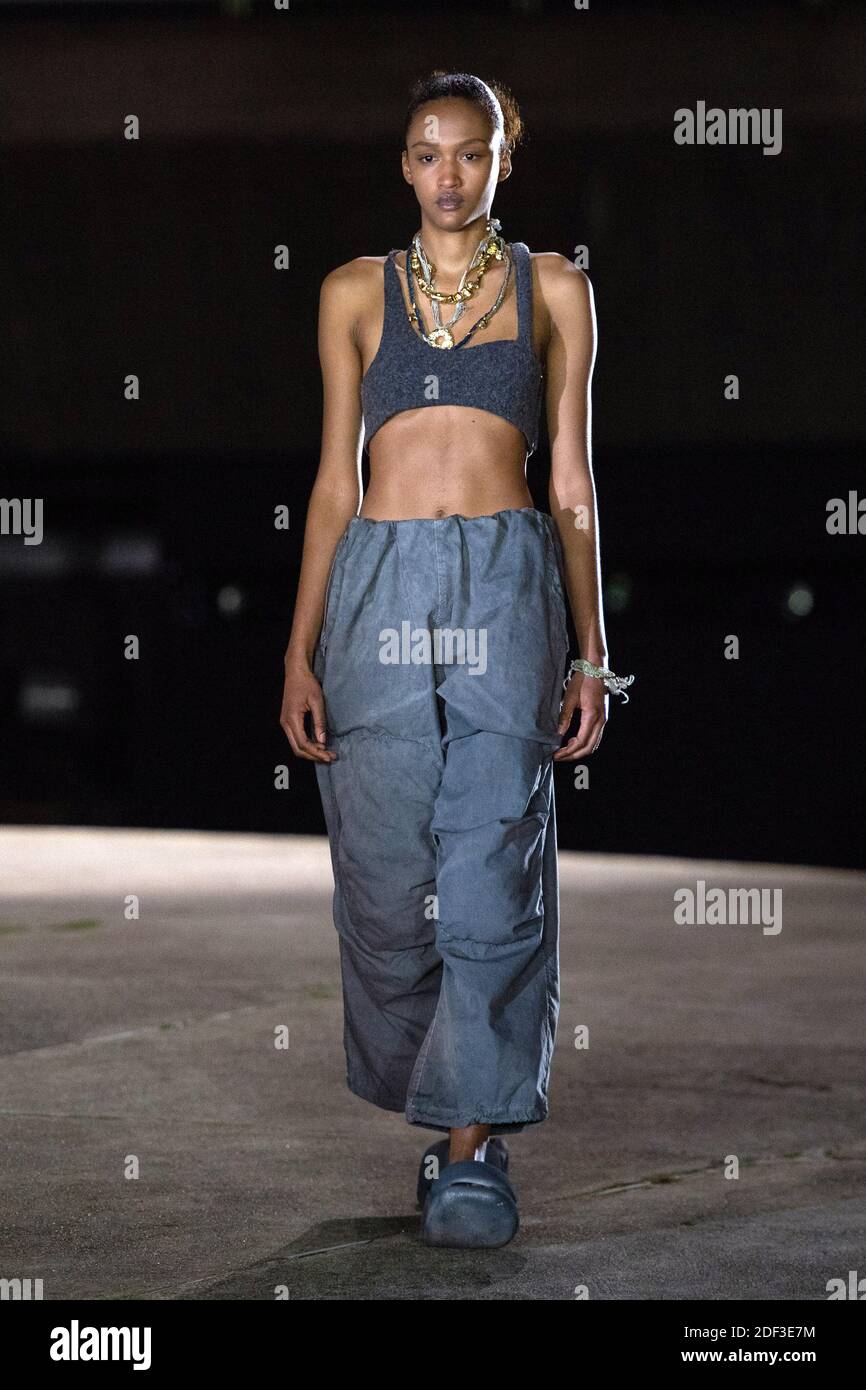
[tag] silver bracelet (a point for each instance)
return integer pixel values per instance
(613, 682)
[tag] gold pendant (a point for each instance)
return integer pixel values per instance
(441, 338)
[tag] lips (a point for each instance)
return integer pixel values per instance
(449, 202)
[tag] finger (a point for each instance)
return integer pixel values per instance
(581, 745)
(572, 706)
(566, 714)
(564, 754)
(303, 746)
(317, 714)
(588, 737)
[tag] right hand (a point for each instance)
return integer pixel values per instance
(302, 693)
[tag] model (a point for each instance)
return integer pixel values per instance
(429, 650)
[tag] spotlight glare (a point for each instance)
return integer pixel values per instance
(130, 553)
(618, 591)
(46, 701)
(800, 601)
(230, 601)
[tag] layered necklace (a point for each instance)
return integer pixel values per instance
(491, 247)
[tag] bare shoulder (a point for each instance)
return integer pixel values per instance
(565, 288)
(349, 289)
(354, 276)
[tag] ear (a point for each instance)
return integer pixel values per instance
(504, 166)
(404, 160)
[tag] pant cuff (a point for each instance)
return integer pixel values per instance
(499, 1123)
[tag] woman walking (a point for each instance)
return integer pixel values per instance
(429, 647)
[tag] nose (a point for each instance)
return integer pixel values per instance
(448, 174)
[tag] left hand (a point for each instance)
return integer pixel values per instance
(588, 694)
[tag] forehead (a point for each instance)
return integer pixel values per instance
(448, 120)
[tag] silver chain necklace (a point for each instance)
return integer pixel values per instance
(442, 335)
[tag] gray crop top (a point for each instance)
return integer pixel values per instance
(503, 376)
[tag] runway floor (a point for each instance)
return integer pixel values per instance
(709, 1143)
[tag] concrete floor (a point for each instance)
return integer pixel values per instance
(148, 1046)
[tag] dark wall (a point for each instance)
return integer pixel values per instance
(156, 257)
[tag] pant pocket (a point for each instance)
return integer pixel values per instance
(489, 824)
(330, 606)
(554, 568)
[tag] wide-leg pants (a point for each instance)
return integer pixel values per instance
(441, 658)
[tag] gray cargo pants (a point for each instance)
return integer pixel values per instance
(441, 658)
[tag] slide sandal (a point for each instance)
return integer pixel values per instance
(470, 1206)
(497, 1154)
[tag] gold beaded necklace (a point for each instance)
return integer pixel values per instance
(491, 247)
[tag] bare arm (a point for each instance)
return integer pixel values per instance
(336, 493)
(570, 361)
(334, 500)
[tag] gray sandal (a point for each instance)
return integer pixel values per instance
(471, 1205)
(497, 1154)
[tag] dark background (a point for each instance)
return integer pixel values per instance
(261, 128)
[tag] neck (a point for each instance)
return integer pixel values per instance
(450, 251)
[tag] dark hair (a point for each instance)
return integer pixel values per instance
(441, 84)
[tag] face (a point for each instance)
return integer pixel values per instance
(452, 160)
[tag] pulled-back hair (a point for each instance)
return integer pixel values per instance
(496, 101)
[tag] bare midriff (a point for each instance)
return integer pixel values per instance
(444, 459)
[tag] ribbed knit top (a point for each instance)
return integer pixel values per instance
(503, 376)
